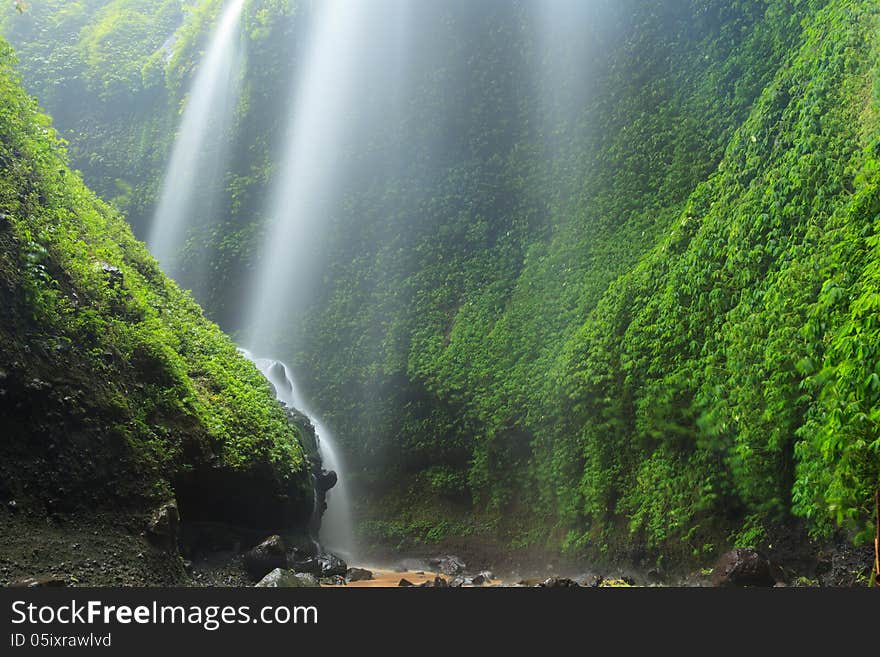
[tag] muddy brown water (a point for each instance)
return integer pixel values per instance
(391, 579)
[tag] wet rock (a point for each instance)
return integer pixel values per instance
(590, 581)
(280, 578)
(457, 582)
(277, 372)
(448, 565)
(742, 567)
(437, 583)
(163, 527)
(405, 582)
(325, 480)
(301, 546)
(358, 575)
(266, 557)
(309, 565)
(335, 580)
(38, 582)
(616, 582)
(332, 565)
(558, 583)
(481, 578)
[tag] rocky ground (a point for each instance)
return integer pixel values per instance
(103, 550)
(108, 550)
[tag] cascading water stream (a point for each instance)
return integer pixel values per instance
(197, 158)
(336, 523)
(320, 113)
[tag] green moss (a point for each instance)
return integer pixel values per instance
(89, 314)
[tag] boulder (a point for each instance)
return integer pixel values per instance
(358, 575)
(437, 583)
(301, 546)
(308, 565)
(332, 565)
(266, 557)
(335, 580)
(558, 583)
(742, 567)
(280, 578)
(448, 565)
(163, 527)
(592, 581)
(405, 582)
(481, 578)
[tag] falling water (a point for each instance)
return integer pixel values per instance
(336, 524)
(320, 113)
(197, 157)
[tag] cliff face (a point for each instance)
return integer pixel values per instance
(631, 313)
(116, 394)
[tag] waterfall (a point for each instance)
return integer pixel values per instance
(320, 113)
(336, 532)
(194, 173)
(321, 110)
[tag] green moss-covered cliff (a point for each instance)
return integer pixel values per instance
(115, 392)
(629, 314)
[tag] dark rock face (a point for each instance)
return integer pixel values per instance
(309, 565)
(277, 373)
(405, 582)
(448, 565)
(280, 578)
(325, 480)
(254, 497)
(358, 575)
(266, 557)
(163, 527)
(742, 567)
(558, 583)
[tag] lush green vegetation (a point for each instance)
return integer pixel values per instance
(637, 318)
(114, 385)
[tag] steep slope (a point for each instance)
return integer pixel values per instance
(116, 394)
(727, 376)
